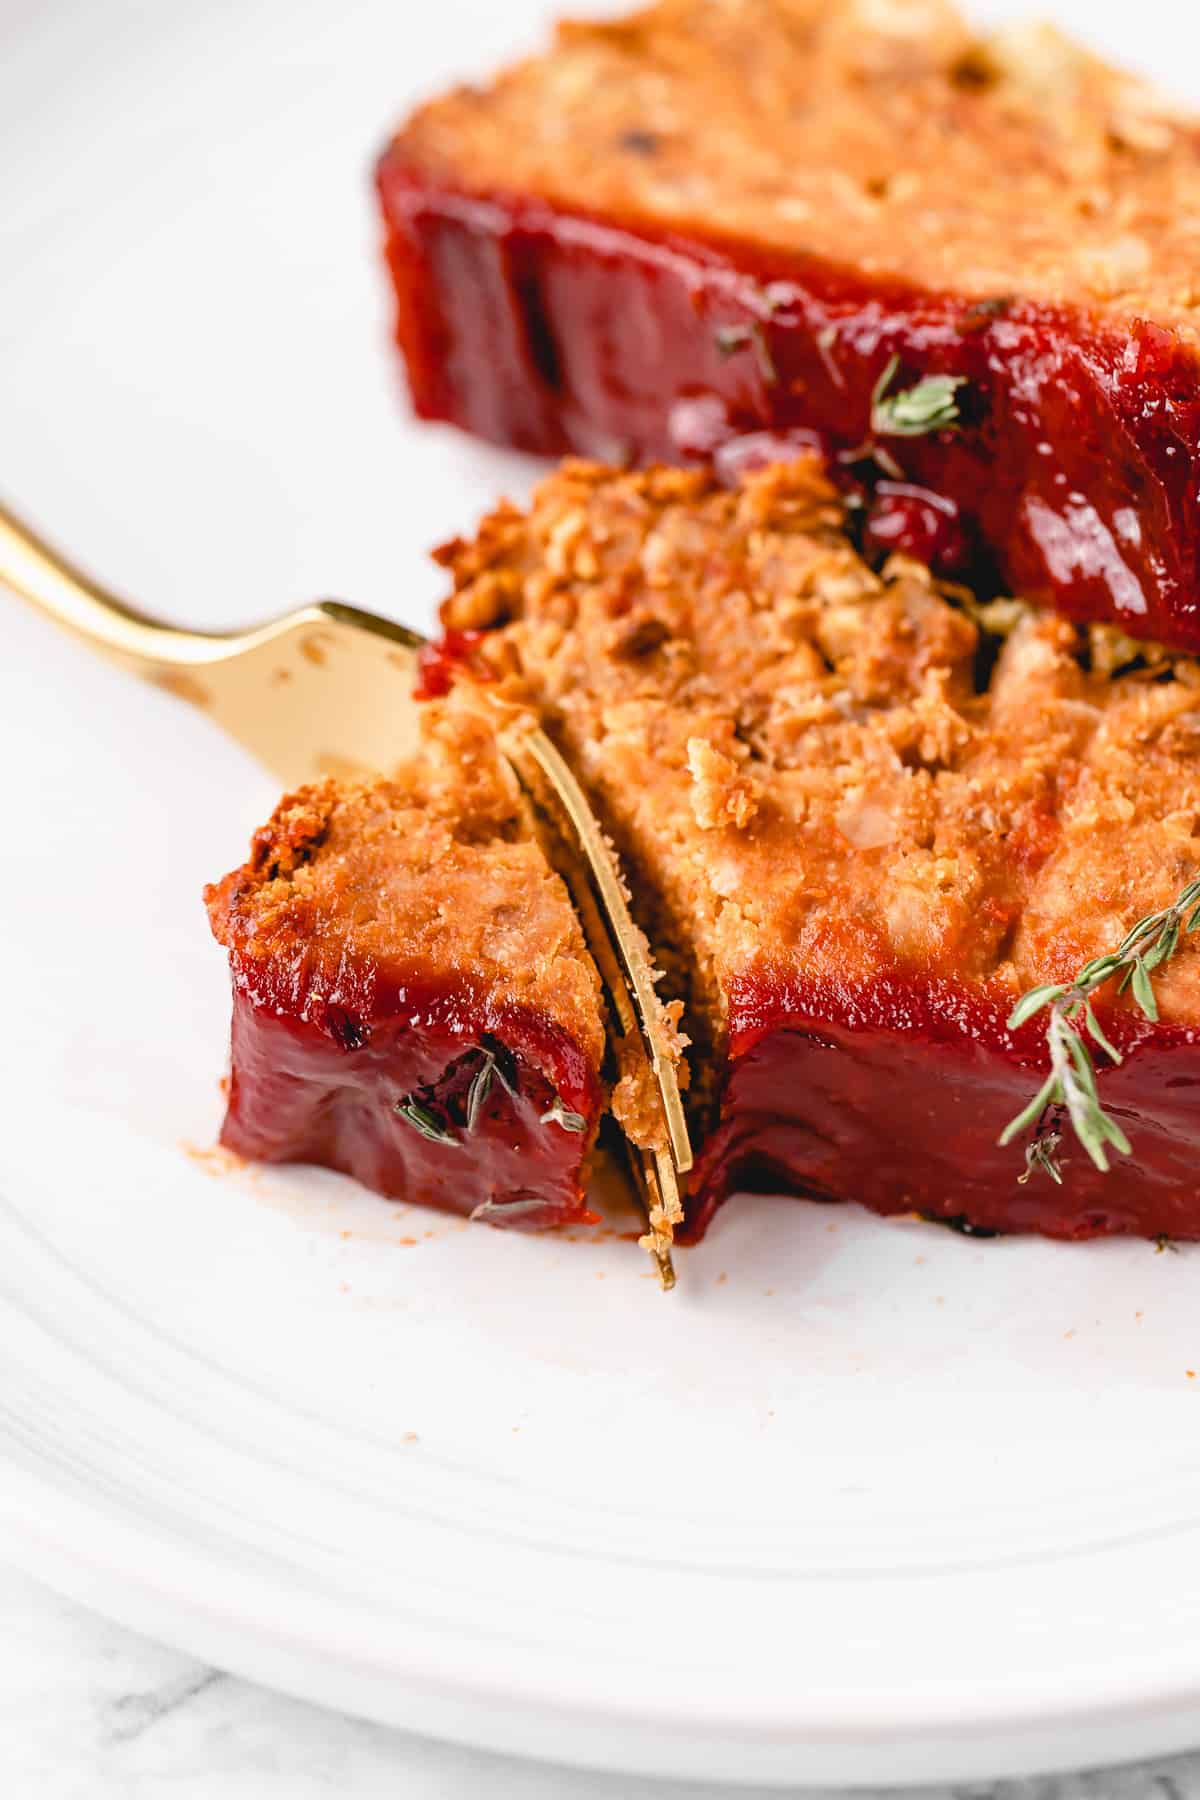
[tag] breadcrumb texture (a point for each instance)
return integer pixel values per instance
(861, 814)
(796, 751)
(436, 873)
(883, 133)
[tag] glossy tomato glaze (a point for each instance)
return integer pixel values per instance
(894, 1093)
(1076, 472)
(439, 663)
(319, 1067)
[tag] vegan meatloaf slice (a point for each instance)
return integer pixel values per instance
(747, 227)
(413, 1001)
(861, 815)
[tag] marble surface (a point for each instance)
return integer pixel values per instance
(90, 1711)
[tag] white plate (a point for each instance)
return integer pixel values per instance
(860, 1501)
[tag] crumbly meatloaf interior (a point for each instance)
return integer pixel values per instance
(880, 133)
(811, 765)
(437, 870)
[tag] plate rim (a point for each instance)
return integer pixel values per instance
(1151, 1712)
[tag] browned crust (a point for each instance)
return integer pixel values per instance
(435, 874)
(879, 133)
(802, 760)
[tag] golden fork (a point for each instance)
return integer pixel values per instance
(328, 690)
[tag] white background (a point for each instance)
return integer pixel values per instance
(192, 358)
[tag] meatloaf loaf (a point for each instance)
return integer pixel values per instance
(737, 228)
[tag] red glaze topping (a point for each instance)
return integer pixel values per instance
(1075, 469)
(317, 1077)
(439, 663)
(820, 1081)
(911, 521)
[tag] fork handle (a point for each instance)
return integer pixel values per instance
(138, 643)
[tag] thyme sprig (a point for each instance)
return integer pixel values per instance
(929, 406)
(1071, 1083)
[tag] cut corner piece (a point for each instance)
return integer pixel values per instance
(414, 1002)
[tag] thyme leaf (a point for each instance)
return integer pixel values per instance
(729, 339)
(929, 406)
(516, 1208)
(1071, 1085)
(1031, 1003)
(423, 1121)
(1042, 1156)
(557, 1114)
(489, 1071)
(480, 1088)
